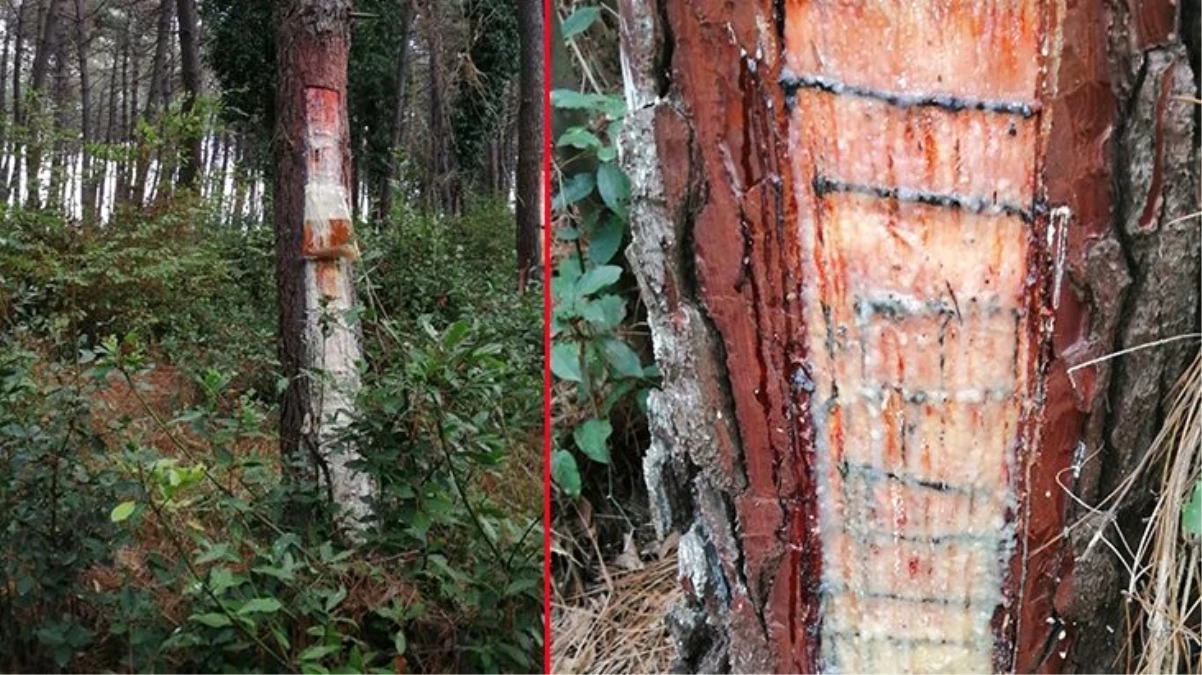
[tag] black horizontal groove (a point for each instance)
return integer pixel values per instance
(869, 472)
(898, 597)
(824, 186)
(793, 83)
(897, 639)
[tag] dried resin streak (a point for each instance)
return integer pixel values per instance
(914, 135)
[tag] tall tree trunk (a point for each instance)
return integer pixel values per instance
(156, 99)
(241, 177)
(189, 45)
(530, 138)
(5, 124)
(110, 130)
(869, 258)
(16, 153)
(59, 162)
(397, 134)
(315, 249)
(18, 59)
(87, 175)
(439, 182)
(129, 103)
(47, 47)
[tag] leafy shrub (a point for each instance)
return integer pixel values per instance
(159, 538)
(591, 351)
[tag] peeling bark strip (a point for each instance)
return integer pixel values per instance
(315, 249)
(925, 278)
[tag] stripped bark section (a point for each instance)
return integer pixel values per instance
(915, 136)
(930, 134)
(329, 250)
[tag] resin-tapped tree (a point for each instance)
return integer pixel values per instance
(873, 238)
(315, 250)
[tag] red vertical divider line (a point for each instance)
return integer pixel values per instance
(547, 9)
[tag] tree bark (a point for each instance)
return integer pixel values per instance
(315, 249)
(14, 175)
(60, 166)
(87, 177)
(18, 59)
(189, 43)
(156, 99)
(5, 153)
(868, 264)
(47, 47)
(439, 182)
(129, 113)
(530, 138)
(387, 186)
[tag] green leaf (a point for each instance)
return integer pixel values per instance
(518, 586)
(603, 245)
(335, 599)
(592, 438)
(122, 511)
(607, 154)
(579, 21)
(597, 278)
(614, 187)
(571, 99)
(260, 606)
(213, 619)
(217, 552)
(1191, 513)
(317, 652)
(565, 472)
(565, 362)
(623, 359)
(399, 643)
(455, 333)
(579, 137)
(605, 312)
(576, 188)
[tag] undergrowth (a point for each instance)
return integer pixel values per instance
(145, 523)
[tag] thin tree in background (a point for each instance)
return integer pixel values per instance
(398, 112)
(88, 196)
(47, 47)
(530, 138)
(189, 45)
(318, 347)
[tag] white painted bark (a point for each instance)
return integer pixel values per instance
(332, 347)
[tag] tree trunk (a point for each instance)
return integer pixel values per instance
(121, 190)
(189, 45)
(870, 249)
(387, 186)
(439, 183)
(110, 131)
(5, 155)
(18, 59)
(88, 179)
(530, 138)
(315, 248)
(47, 47)
(156, 99)
(60, 164)
(14, 174)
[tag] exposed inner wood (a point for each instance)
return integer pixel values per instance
(914, 129)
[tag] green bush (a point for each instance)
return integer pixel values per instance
(161, 540)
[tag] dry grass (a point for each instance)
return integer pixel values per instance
(1164, 589)
(618, 628)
